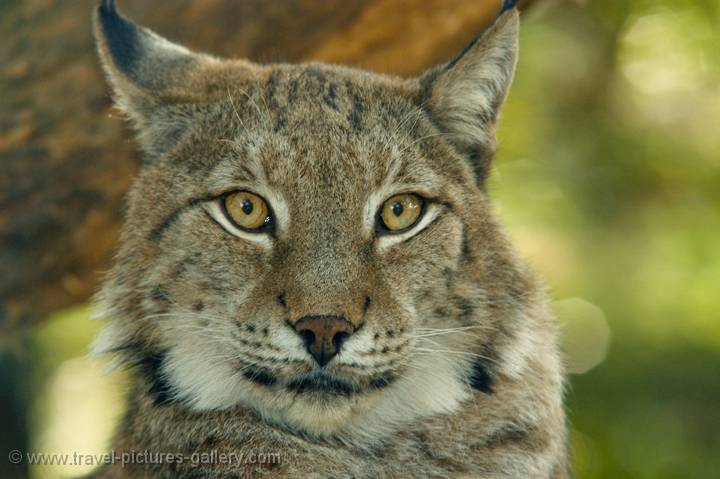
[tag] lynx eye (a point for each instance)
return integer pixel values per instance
(247, 210)
(401, 212)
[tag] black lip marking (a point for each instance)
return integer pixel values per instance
(382, 381)
(259, 376)
(322, 383)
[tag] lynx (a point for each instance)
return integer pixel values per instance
(311, 270)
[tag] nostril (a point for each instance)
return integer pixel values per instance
(307, 336)
(323, 335)
(339, 339)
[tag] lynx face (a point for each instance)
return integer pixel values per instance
(309, 241)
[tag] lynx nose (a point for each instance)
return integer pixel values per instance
(324, 335)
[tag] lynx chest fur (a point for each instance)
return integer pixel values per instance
(310, 268)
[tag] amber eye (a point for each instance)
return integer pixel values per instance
(247, 210)
(401, 212)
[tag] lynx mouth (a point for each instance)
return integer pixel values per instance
(322, 383)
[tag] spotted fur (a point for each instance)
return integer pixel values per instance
(453, 369)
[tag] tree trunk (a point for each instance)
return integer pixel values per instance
(66, 157)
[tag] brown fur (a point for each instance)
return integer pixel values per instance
(454, 370)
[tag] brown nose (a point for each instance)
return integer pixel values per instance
(324, 335)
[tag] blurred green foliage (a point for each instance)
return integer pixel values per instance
(609, 181)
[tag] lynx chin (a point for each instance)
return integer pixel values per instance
(310, 264)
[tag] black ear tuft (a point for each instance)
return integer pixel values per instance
(121, 35)
(150, 76)
(107, 5)
(508, 5)
(139, 57)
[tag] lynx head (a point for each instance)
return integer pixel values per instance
(308, 241)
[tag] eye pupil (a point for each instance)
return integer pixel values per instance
(247, 207)
(398, 209)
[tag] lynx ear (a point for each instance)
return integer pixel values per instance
(465, 95)
(149, 75)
